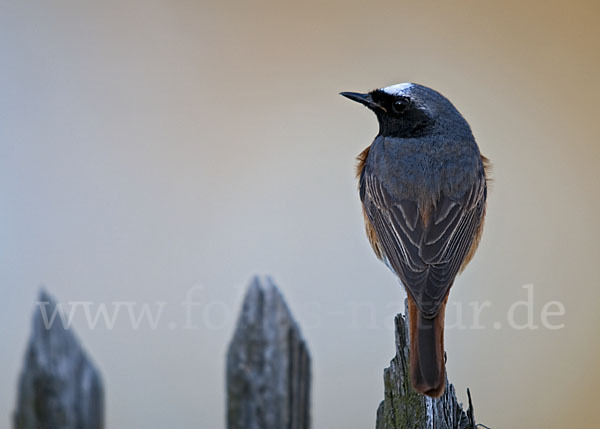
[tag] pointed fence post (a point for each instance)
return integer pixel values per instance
(59, 387)
(268, 365)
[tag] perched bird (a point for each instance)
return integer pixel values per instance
(423, 187)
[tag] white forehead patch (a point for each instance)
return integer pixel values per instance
(398, 89)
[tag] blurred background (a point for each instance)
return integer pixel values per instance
(147, 148)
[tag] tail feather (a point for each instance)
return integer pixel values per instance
(427, 368)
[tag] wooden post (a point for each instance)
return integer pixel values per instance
(404, 408)
(268, 365)
(59, 387)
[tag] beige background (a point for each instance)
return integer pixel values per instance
(147, 147)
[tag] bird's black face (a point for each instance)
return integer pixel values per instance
(400, 110)
(400, 115)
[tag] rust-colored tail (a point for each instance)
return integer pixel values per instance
(427, 368)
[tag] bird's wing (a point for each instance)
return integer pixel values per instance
(425, 254)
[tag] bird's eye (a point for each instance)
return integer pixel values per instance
(400, 105)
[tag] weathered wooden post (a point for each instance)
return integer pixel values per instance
(59, 387)
(268, 365)
(404, 408)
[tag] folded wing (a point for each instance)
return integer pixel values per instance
(424, 247)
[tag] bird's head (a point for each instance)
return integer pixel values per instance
(409, 110)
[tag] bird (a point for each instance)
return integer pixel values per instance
(423, 187)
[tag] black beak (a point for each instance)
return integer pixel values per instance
(365, 99)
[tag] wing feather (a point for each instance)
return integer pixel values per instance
(425, 254)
